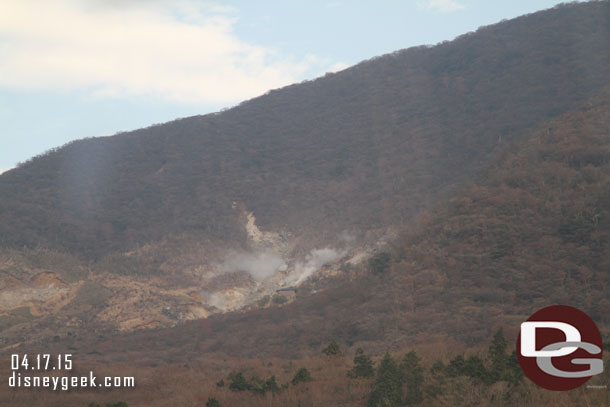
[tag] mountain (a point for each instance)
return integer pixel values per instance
(418, 201)
(532, 229)
(361, 149)
(301, 186)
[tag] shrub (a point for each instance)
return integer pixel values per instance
(302, 375)
(271, 385)
(212, 402)
(238, 382)
(333, 349)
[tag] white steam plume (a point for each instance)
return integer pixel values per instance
(313, 262)
(259, 265)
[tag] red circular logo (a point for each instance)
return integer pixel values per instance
(560, 348)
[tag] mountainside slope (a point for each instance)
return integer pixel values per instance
(532, 230)
(365, 148)
(211, 214)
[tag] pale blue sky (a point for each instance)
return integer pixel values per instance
(71, 69)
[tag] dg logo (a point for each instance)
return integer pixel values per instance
(560, 348)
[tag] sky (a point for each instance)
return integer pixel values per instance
(71, 69)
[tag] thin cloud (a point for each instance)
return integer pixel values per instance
(443, 6)
(184, 51)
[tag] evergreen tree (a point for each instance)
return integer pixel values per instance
(497, 356)
(475, 368)
(456, 366)
(413, 376)
(437, 385)
(514, 373)
(471, 367)
(388, 385)
(363, 366)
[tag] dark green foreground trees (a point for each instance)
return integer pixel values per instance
(405, 381)
(398, 385)
(404, 384)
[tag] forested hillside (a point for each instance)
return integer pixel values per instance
(427, 202)
(532, 230)
(361, 149)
